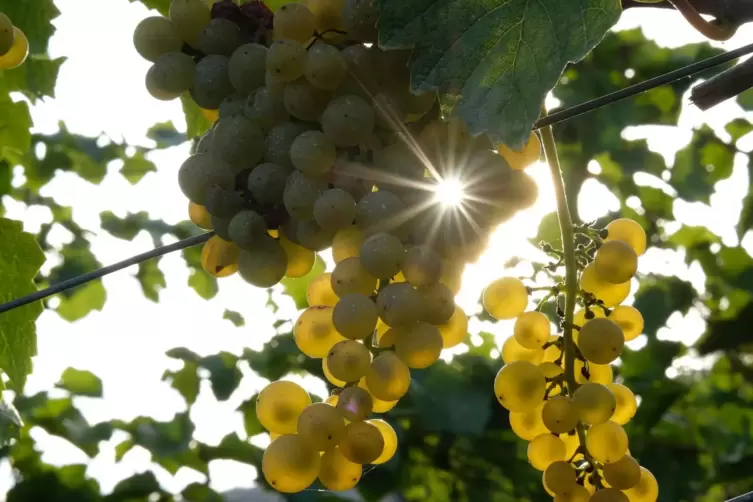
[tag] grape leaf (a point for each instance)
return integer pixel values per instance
(80, 382)
(494, 62)
(20, 260)
(34, 18)
(161, 6)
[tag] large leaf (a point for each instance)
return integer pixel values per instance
(20, 260)
(80, 382)
(494, 61)
(35, 19)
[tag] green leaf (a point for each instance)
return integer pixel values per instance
(35, 19)
(20, 260)
(134, 168)
(161, 6)
(494, 61)
(738, 128)
(691, 237)
(250, 420)
(296, 288)
(196, 123)
(15, 122)
(232, 448)
(129, 227)
(151, 278)
(137, 487)
(234, 317)
(10, 423)
(80, 382)
(36, 78)
(659, 297)
(203, 283)
(549, 231)
(82, 301)
(122, 448)
(165, 135)
(186, 381)
(726, 334)
(196, 492)
(224, 374)
(701, 164)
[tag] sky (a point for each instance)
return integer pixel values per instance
(100, 90)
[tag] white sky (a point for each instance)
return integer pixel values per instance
(100, 89)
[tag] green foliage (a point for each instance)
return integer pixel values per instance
(81, 383)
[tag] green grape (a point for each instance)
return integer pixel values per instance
(155, 36)
(346, 178)
(348, 360)
(512, 351)
(267, 183)
(422, 266)
(321, 426)
(418, 345)
(355, 316)
(627, 230)
(334, 381)
(601, 340)
(607, 442)
(280, 139)
(349, 276)
(363, 443)
(223, 202)
(505, 298)
(304, 101)
(314, 332)
(246, 67)
(615, 262)
(346, 243)
(334, 209)
(544, 450)
(359, 19)
(382, 255)
(388, 377)
(608, 495)
(559, 476)
(279, 405)
(220, 36)
(438, 303)
(328, 14)
(219, 257)
(301, 192)
(559, 414)
(610, 294)
(246, 228)
(265, 109)
(18, 52)
(7, 34)
(390, 440)
(174, 72)
(520, 386)
(625, 403)
(623, 474)
(320, 293)
(264, 264)
(348, 121)
(337, 473)
(239, 141)
(361, 63)
(379, 405)
(201, 171)
(455, 329)
(275, 85)
(154, 89)
(355, 404)
(294, 21)
(285, 59)
(532, 329)
(289, 465)
(204, 144)
(594, 403)
(221, 227)
(528, 425)
(325, 66)
(381, 211)
(232, 105)
(647, 489)
(550, 369)
(399, 304)
(300, 259)
(629, 320)
(199, 215)
(314, 154)
(212, 84)
(190, 17)
(311, 236)
(575, 494)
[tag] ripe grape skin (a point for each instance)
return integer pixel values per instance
(523, 158)
(601, 340)
(611, 294)
(381, 211)
(359, 19)
(505, 298)
(379, 405)
(347, 243)
(382, 255)
(532, 329)
(264, 264)
(616, 262)
(294, 21)
(304, 101)
(301, 193)
(285, 59)
(355, 316)
(594, 403)
(220, 36)
(289, 464)
(512, 351)
(626, 404)
(246, 67)
(331, 379)
(647, 489)
(199, 216)
(623, 474)
(545, 449)
(608, 495)
(239, 141)
(349, 276)
(267, 182)
(190, 17)
(300, 259)
(201, 171)
(348, 360)
(363, 443)
(355, 404)
(528, 424)
(560, 476)
(174, 72)
(334, 209)
(314, 332)
(520, 386)
(151, 82)
(279, 405)
(388, 377)
(399, 304)
(607, 442)
(629, 231)
(390, 440)
(422, 266)
(337, 473)
(265, 109)
(7, 34)
(321, 426)
(559, 415)
(310, 235)
(438, 303)
(577, 494)
(325, 66)
(320, 292)
(212, 83)
(279, 140)
(629, 319)
(219, 257)
(348, 120)
(246, 228)
(155, 36)
(418, 345)
(314, 154)
(455, 329)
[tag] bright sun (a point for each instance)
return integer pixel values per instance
(449, 192)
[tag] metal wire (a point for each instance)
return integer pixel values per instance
(745, 497)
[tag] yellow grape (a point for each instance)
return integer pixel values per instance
(315, 333)
(629, 319)
(279, 405)
(623, 474)
(550, 369)
(199, 215)
(512, 351)
(553, 352)
(190, 17)
(337, 473)
(347, 243)
(588, 484)
(300, 259)
(626, 406)
(390, 440)
(594, 403)
(505, 298)
(647, 489)
(559, 477)
(528, 424)
(273, 436)
(452, 275)
(355, 404)
(7, 34)
(211, 115)
(601, 340)
(608, 495)
(576, 494)
(289, 464)
(545, 449)
(219, 257)
(380, 332)
(559, 414)
(273, 232)
(607, 442)
(333, 399)
(520, 386)
(572, 443)
(17, 53)
(328, 375)
(579, 319)
(349, 276)
(388, 377)
(348, 360)
(520, 159)
(615, 262)
(418, 345)
(532, 330)
(379, 406)
(321, 426)
(627, 230)
(597, 373)
(319, 291)
(363, 443)
(611, 294)
(454, 331)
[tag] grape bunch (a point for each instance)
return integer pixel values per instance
(575, 428)
(14, 46)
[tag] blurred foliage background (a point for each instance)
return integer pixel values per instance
(693, 430)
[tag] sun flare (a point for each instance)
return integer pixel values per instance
(449, 192)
